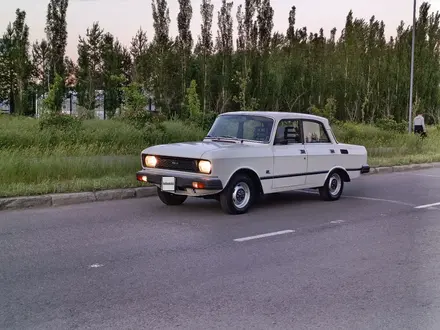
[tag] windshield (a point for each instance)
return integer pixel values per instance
(243, 127)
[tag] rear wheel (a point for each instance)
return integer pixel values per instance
(238, 196)
(169, 198)
(333, 187)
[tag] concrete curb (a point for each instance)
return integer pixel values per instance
(53, 200)
(403, 168)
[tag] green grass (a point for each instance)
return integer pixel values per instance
(98, 155)
(105, 154)
(388, 148)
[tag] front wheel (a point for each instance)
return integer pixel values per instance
(169, 198)
(238, 196)
(333, 187)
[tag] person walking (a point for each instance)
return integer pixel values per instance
(419, 125)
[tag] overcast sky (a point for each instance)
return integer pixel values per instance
(124, 17)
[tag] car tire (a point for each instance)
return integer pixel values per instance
(238, 196)
(333, 187)
(170, 199)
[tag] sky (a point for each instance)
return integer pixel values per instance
(123, 18)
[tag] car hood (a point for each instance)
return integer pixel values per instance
(189, 149)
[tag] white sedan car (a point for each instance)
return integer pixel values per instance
(249, 154)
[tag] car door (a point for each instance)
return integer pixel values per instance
(290, 158)
(320, 152)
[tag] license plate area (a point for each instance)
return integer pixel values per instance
(168, 184)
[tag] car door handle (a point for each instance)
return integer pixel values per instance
(303, 151)
(332, 151)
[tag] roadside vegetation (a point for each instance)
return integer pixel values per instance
(66, 154)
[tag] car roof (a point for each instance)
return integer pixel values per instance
(277, 115)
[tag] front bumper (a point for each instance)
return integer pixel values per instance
(183, 181)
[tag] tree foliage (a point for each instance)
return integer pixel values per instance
(56, 32)
(356, 74)
(15, 64)
(192, 100)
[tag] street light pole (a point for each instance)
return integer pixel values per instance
(411, 87)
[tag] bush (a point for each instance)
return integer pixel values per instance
(134, 103)
(329, 110)
(389, 124)
(52, 103)
(204, 121)
(59, 121)
(179, 131)
(192, 101)
(84, 113)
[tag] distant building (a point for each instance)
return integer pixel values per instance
(4, 107)
(70, 104)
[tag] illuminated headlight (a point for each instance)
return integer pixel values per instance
(150, 161)
(205, 166)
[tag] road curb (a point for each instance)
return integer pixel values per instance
(403, 168)
(53, 200)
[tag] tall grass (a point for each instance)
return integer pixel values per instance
(97, 154)
(94, 155)
(93, 137)
(387, 147)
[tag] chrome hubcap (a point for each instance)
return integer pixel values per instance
(241, 195)
(335, 184)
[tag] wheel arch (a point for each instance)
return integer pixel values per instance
(251, 173)
(344, 174)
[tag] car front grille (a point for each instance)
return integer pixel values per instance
(177, 164)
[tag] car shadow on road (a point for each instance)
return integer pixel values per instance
(287, 198)
(212, 208)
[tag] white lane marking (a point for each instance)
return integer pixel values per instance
(379, 200)
(366, 198)
(427, 206)
(337, 221)
(96, 266)
(264, 235)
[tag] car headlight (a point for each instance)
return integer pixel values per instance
(150, 161)
(205, 166)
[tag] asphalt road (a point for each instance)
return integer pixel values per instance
(368, 261)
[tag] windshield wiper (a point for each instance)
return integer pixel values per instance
(222, 137)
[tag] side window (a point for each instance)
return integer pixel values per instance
(288, 132)
(257, 130)
(314, 132)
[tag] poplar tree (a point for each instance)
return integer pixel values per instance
(15, 64)
(56, 33)
(161, 51)
(184, 41)
(206, 44)
(225, 43)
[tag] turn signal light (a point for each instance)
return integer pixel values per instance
(198, 185)
(142, 178)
